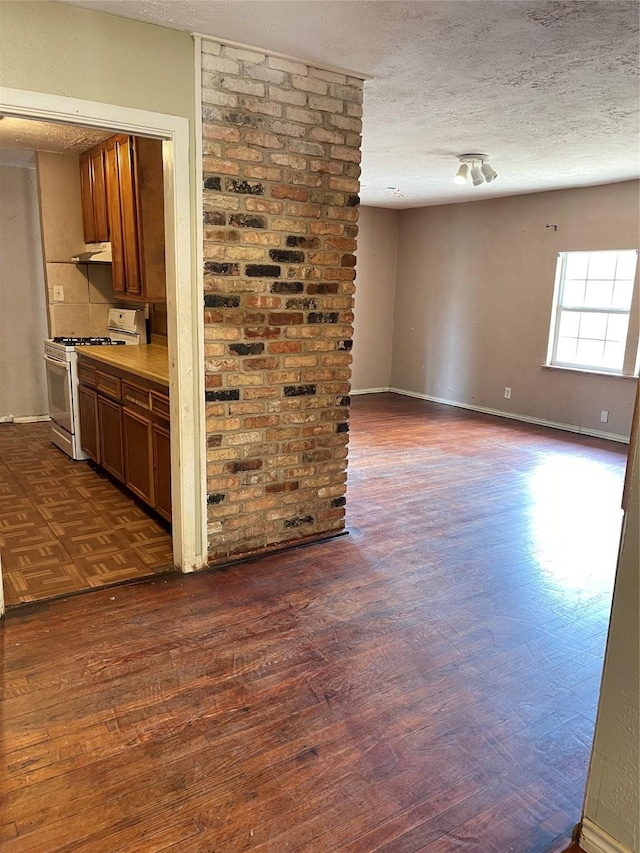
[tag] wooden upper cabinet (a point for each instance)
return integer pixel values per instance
(115, 219)
(88, 224)
(134, 213)
(149, 189)
(131, 235)
(94, 196)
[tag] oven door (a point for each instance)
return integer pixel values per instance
(59, 392)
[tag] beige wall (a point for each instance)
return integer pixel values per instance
(87, 291)
(64, 50)
(375, 294)
(612, 800)
(23, 319)
(473, 299)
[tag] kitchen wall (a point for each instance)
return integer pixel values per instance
(23, 318)
(473, 299)
(281, 144)
(374, 299)
(82, 305)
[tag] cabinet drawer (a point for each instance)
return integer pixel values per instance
(108, 384)
(87, 375)
(160, 405)
(137, 396)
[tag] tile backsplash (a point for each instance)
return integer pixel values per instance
(87, 294)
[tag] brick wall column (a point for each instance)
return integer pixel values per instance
(281, 153)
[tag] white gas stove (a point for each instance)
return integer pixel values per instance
(126, 326)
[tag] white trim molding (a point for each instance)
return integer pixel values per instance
(596, 433)
(370, 391)
(184, 300)
(596, 840)
(27, 419)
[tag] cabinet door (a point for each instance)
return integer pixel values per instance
(86, 195)
(99, 195)
(137, 454)
(129, 211)
(89, 422)
(162, 470)
(150, 202)
(110, 431)
(115, 217)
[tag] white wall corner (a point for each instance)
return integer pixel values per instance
(596, 840)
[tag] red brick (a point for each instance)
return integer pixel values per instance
(286, 318)
(284, 191)
(284, 346)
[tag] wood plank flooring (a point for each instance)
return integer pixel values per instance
(427, 684)
(65, 527)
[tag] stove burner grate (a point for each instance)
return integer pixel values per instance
(86, 342)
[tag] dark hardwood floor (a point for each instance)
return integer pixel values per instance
(427, 684)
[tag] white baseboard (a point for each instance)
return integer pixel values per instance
(595, 840)
(610, 436)
(370, 391)
(29, 419)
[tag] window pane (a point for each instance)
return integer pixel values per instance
(569, 324)
(622, 293)
(590, 353)
(626, 264)
(593, 326)
(566, 350)
(598, 294)
(573, 294)
(613, 356)
(617, 327)
(594, 297)
(577, 264)
(603, 265)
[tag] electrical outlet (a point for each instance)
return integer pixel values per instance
(58, 294)
(507, 393)
(604, 416)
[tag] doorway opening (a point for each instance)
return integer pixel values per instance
(183, 317)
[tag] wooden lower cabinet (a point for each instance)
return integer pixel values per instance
(124, 423)
(161, 443)
(138, 461)
(89, 437)
(110, 432)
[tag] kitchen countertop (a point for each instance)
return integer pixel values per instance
(150, 361)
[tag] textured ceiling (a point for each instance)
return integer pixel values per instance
(16, 133)
(549, 89)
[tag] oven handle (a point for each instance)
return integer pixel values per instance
(54, 361)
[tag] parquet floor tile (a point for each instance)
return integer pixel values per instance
(106, 568)
(29, 584)
(64, 526)
(35, 554)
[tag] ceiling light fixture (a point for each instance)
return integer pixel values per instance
(476, 165)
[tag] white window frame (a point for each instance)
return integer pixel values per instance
(631, 361)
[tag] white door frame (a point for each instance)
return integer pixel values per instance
(184, 300)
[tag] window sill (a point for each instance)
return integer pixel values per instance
(588, 372)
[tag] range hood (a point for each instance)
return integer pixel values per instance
(94, 253)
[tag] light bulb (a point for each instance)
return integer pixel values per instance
(462, 173)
